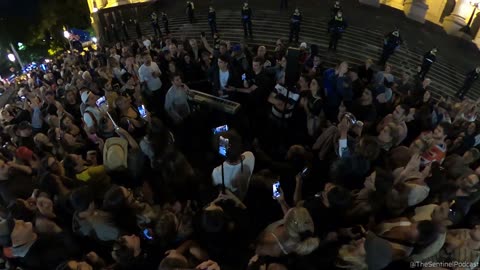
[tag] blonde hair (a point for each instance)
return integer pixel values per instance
(298, 222)
(349, 260)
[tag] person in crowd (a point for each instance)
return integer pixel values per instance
(176, 100)
(149, 74)
(120, 187)
(336, 27)
(212, 20)
(470, 79)
(391, 43)
(88, 220)
(234, 174)
(295, 22)
(432, 145)
(428, 59)
(247, 20)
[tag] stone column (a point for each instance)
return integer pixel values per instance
(457, 20)
(416, 10)
(373, 3)
(477, 39)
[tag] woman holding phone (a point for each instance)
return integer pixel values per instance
(130, 118)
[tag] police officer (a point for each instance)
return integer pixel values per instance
(212, 20)
(138, 29)
(247, 19)
(336, 8)
(165, 22)
(115, 33)
(428, 59)
(336, 27)
(295, 21)
(471, 77)
(155, 25)
(391, 43)
(125, 30)
(190, 11)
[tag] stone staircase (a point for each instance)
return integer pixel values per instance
(356, 45)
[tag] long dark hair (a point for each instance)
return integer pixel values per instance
(124, 215)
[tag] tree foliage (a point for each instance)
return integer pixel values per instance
(39, 23)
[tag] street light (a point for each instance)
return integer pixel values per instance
(475, 4)
(11, 57)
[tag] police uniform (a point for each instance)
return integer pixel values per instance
(125, 30)
(471, 77)
(212, 21)
(391, 43)
(138, 29)
(295, 26)
(336, 27)
(190, 13)
(115, 33)
(155, 25)
(428, 59)
(247, 20)
(165, 22)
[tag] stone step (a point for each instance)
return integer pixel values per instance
(268, 26)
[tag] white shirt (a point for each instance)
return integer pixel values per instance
(147, 43)
(224, 75)
(176, 104)
(145, 74)
(231, 171)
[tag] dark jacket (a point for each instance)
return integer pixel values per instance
(49, 251)
(212, 16)
(472, 76)
(391, 42)
(214, 78)
(296, 19)
(337, 25)
(246, 14)
(429, 58)
(19, 185)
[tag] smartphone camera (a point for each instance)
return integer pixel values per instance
(23, 98)
(147, 233)
(223, 146)
(142, 111)
(305, 172)
(244, 77)
(101, 101)
(276, 189)
(220, 129)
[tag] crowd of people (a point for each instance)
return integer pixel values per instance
(107, 162)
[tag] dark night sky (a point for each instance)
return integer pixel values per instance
(19, 8)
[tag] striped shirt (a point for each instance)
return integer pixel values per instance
(289, 97)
